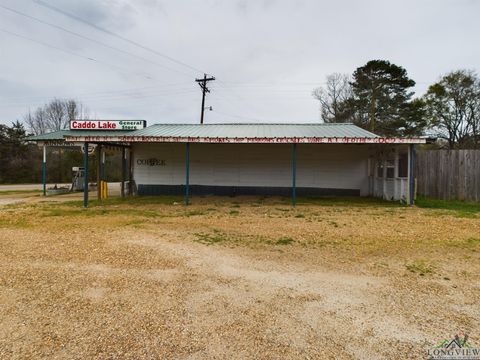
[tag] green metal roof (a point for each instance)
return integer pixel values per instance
(223, 131)
(56, 135)
(231, 133)
(253, 130)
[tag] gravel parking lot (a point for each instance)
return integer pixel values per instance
(237, 278)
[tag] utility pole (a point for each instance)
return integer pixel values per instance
(203, 86)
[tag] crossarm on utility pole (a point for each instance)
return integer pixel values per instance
(203, 86)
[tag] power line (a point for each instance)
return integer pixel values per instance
(90, 39)
(51, 7)
(237, 96)
(100, 93)
(239, 116)
(72, 53)
(121, 94)
(224, 85)
(110, 97)
(106, 99)
(272, 84)
(111, 33)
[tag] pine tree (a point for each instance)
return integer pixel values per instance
(381, 100)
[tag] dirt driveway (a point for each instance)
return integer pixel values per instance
(235, 278)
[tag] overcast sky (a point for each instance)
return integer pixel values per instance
(267, 55)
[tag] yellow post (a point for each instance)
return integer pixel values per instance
(102, 189)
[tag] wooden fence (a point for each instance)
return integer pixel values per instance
(449, 174)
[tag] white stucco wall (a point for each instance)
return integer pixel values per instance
(319, 166)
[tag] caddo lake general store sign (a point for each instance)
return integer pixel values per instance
(107, 124)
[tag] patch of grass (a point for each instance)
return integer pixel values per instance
(333, 223)
(74, 212)
(350, 201)
(16, 223)
(466, 214)
(261, 200)
(136, 223)
(234, 212)
(329, 243)
(470, 243)
(210, 239)
(300, 216)
(389, 211)
(61, 211)
(473, 242)
(13, 206)
(284, 241)
(459, 208)
(129, 200)
(420, 267)
(195, 213)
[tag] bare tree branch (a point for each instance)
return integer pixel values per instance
(54, 116)
(333, 97)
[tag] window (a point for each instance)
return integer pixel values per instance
(380, 169)
(390, 166)
(390, 169)
(403, 165)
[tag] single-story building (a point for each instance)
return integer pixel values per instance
(240, 159)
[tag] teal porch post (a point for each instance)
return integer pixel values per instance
(104, 156)
(44, 170)
(85, 175)
(411, 173)
(124, 169)
(98, 155)
(294, 174)
(187, 172)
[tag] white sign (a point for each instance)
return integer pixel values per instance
(107, 124)
(91, 149)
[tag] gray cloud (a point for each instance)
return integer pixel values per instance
(267, 55)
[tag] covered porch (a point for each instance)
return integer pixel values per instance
(269, 159)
